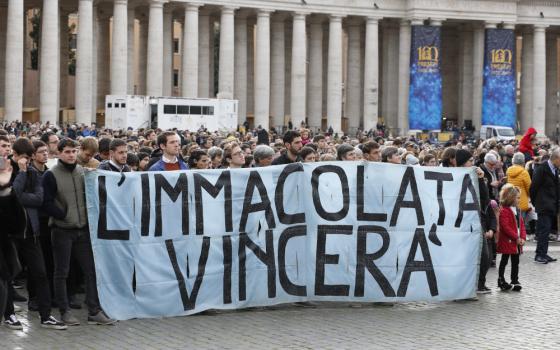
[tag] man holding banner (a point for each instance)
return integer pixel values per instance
(64, 201)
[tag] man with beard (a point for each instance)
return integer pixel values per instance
(292, 142)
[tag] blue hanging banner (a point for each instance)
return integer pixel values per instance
(424, 106)
(498, 96)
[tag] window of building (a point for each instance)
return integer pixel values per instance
(175, 45)
(176, 78)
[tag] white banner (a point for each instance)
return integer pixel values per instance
(178, 243)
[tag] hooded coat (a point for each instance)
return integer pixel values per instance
(525, 146)
(519, 177)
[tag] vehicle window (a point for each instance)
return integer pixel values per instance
(196, 110)
(506, 132)
(182, 109)
(169, 109)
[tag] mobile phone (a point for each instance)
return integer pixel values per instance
(3, 163)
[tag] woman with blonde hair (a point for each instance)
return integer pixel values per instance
(511, 236)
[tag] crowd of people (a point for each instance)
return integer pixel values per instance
(43, 213)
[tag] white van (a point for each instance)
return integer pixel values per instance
(500, 133)
(167, 113)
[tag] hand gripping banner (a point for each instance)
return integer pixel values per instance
(178, 243)
(425, 106)
(498, 99)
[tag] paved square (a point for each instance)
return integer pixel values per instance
(526, 320)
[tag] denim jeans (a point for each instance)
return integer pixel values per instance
(64, 244)
(544, 228)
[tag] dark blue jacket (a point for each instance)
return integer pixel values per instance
(160, 165)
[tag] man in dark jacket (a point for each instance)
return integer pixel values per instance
(487, 219)
(118, 151)
(292, 142)
(545, 196)
(65, 202)
(28, 192)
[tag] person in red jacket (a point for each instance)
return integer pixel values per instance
(511, 236)
(527, 144)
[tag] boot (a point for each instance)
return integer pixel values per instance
(503, 285)
(516, 286)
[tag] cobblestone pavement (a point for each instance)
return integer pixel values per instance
(526, 320)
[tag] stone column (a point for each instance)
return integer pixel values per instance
(141, 68)
(167, 81)
(189, 76)
(240, 83)
(390, 89)
(84, 63)
(551, 99)
(404, 76)
(298, 79)
(94, 59)
(226, 65)
(539, 78)
(262, 70)
(278, 69)
(3, 25)
(119, 50)
(334, 77)
(526, 117)
(466, 74)
(371, 74)
(131, 18)
(251, 67)
(478, 71)
(315, 75)
(103, 59)
(49, 74)
(64, 57)
(154, 76)
(13, 83)
(354, 76)
(211, 61)
(204, 55)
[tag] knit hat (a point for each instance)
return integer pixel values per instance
(462, 156)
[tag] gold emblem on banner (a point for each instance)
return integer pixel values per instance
(501, 61)
(428, 54)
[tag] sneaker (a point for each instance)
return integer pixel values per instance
(483, 290)
(503, 285)
(69, 319)
(13, 323)
(541, 260)
(550, 259)
(516, 286)
(100, 319)
(53, 323)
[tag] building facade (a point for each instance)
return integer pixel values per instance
(329, 63)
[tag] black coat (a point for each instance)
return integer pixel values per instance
(544, 190)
